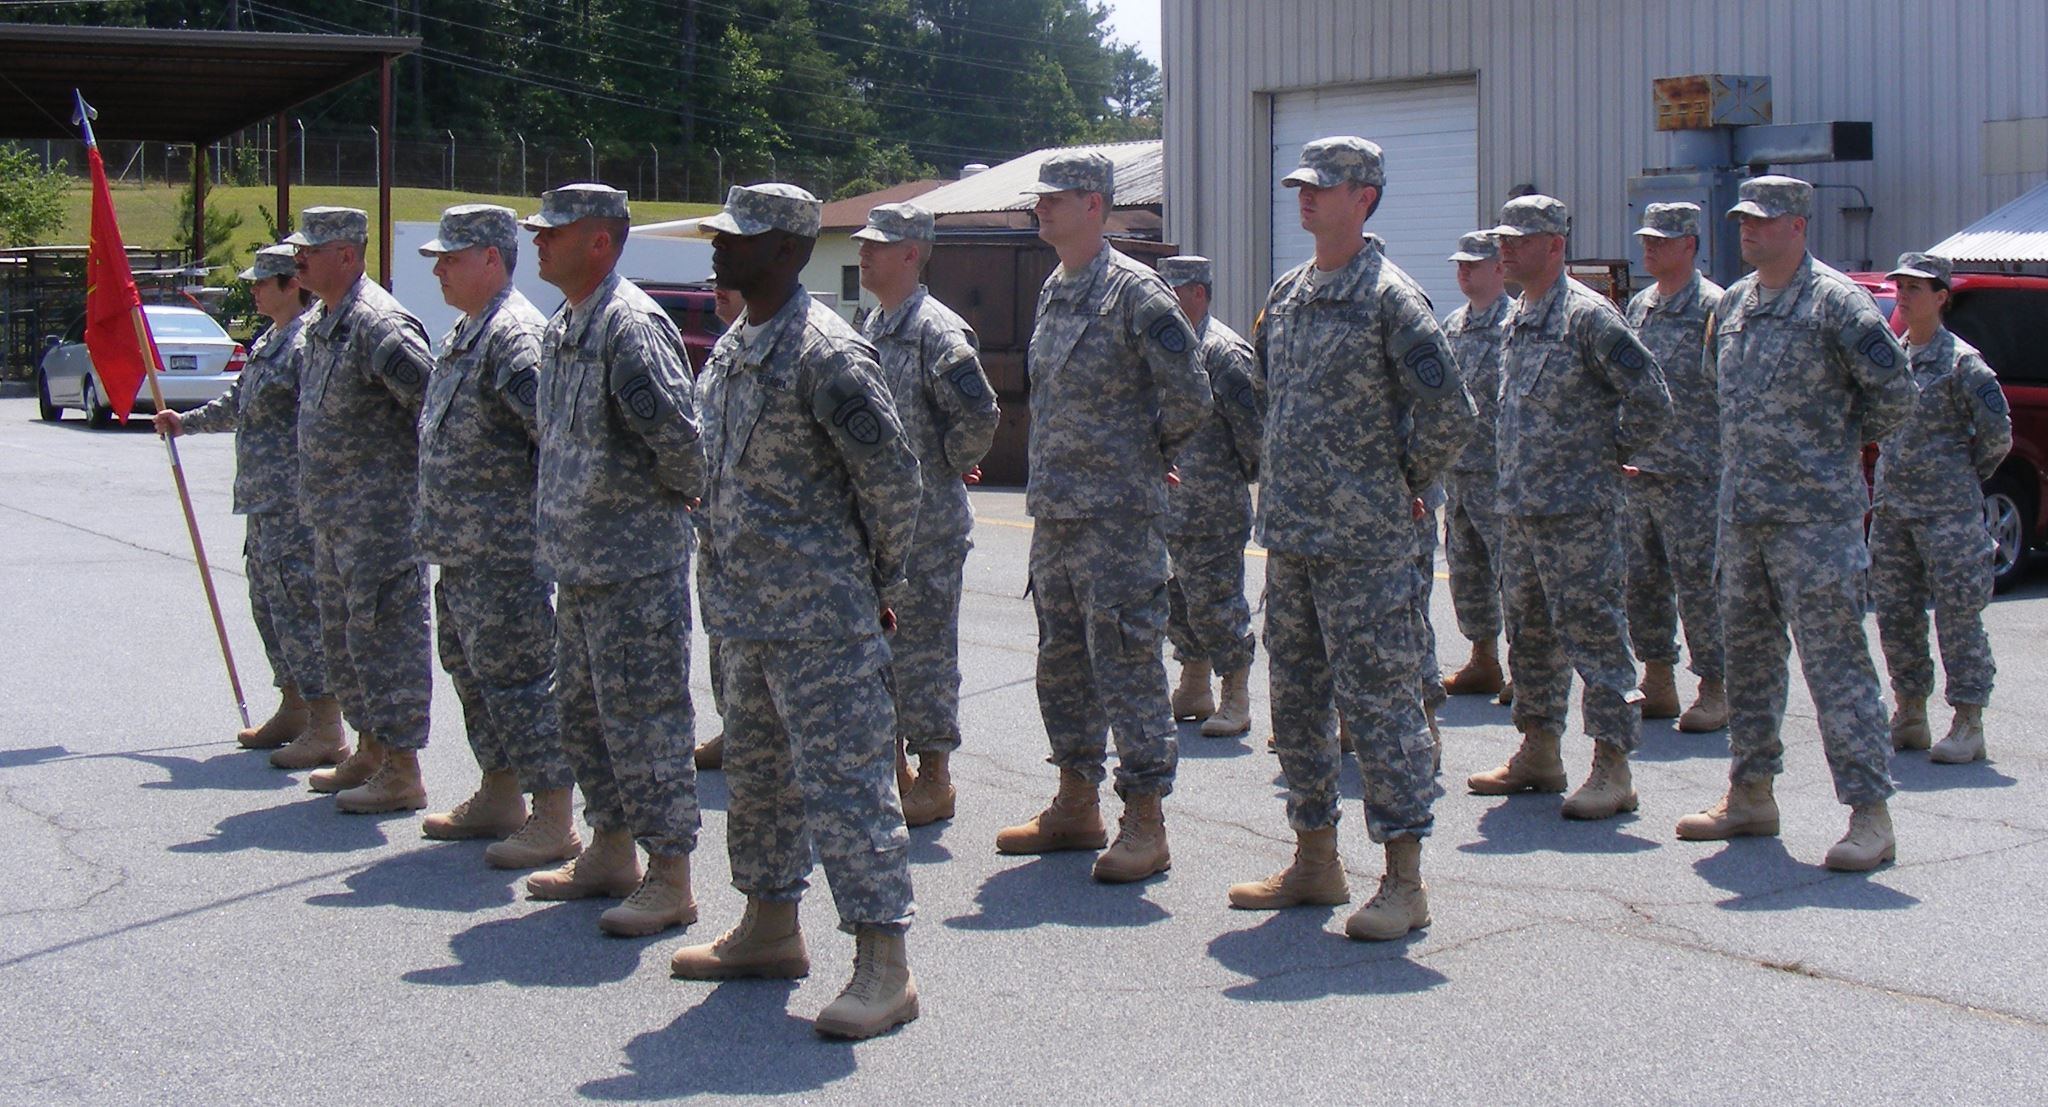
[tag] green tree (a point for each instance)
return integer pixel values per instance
(220, 232)
(31, 198)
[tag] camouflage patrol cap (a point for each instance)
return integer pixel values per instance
(1772, 196)
(1670, 221)
(1928, 267)
(1538, 214)
(1328, 162)
(1477, 246)
(467, 225)
(1076, 171)
(897, 223)
(1183, 269)
(758, 209)
(273, 261)
(586, 200)
(320, 226)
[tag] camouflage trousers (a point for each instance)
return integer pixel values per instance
(1207, 618)
(1808, 576)
(622, 679)
(1671, 571)
(810, 762)
(1432, 675)
(1946, 560)
(277, 552)
(496, 632)
(1564, 601)
(1472, 550)
(924, 670)
(712, 659)
(1099, 586)
(375, 634)
(1343, 634)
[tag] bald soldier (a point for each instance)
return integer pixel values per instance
(364, 379)
(1808, 372)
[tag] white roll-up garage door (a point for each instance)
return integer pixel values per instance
(1430, 133)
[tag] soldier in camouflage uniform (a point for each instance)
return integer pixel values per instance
(949, 414)
(494, 615)
(1808, 372)
(1927, 537)
(1472, 525)
(364, 375)
(1580, 397)
(810, 509)
(619, 465)
(1365, 409)
(1672, 491)
(710, 755)
(1116, 389)
(262, 408)
(1209, 519)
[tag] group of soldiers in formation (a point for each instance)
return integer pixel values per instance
(563, 470)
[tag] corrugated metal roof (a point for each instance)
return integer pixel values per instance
(2013, 235)
(1140, 180)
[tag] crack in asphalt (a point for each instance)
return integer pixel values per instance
(118, 540)
(65, 833)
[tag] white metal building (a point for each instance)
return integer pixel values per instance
(1474, 98)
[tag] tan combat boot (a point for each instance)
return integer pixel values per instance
(1608, 790)
(1345, 743)
(1660, 691)
(1869, 842)
(497, 810)
(1401, 904)
(1316, 876)
(1909, 724)
(1073, 821)
(323, 742)
(1748, 810)
(1140, 847)
(548, 836)
(286, 723)
(395, 786)
(1709, 710)
(1507, 694)
(1965, 740)
(1192, 697)
(1481, 675)
(1535, 767)
(765, 943)
(1234, 716)
(931, 796)
(358, 768)
(711, 755)
(609, 866)
(904, 777)
(662, 900)
(882, 994)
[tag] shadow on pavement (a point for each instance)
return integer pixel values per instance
(1763, 877)
(1663, 741)
(239, 771)
(741, 1040)
(1055, 889)
(38, 755)
(558, 946)
(1914, 773)
(1531, 823)
(1194, 746)
(925, 847)
(311, 825)
(1473, 711)
(712, 793)
(1293, 955)
(449, 876)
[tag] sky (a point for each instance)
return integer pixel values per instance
(1136, 21)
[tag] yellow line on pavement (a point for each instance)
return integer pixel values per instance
(1025, 524)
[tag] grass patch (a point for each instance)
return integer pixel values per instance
(149, 213)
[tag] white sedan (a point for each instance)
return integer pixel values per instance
(200, 361)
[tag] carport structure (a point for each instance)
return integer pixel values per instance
(196, 87)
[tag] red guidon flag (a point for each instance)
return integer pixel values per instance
(111, 303)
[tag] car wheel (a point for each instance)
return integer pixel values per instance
(2009, 516)
(97, 414)
(45, 410)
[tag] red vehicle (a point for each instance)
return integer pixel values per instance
(693, 307)
(2005, 317)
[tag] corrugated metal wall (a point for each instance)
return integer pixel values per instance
(1564, 104)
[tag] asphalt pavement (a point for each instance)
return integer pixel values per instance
(184, 923)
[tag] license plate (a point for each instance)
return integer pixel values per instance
(184, 363)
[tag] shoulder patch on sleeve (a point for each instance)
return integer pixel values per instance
(1626, 353)
(1867, 337)
(523, 387)
(850, 413)
(1992, 396)
(1429, 364)
(1170, 333)
(966, 378)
